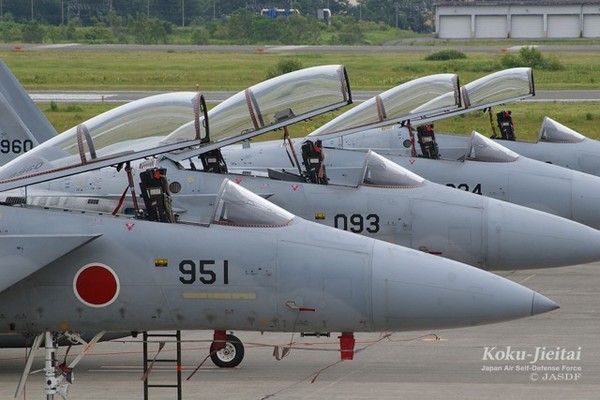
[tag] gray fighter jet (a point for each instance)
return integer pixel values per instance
(23, 124)
(252, 266)
(384, 202)
(556, 143)
(484, 168)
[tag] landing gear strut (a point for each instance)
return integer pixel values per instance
(226, 351)
(58, 377)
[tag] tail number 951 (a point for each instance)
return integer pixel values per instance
(207, 272)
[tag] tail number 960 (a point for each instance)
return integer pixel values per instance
(15, 146)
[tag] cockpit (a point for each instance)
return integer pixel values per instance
(176, 126)
(484, 149)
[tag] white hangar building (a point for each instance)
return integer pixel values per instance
(517, 19)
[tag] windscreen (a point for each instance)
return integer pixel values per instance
(483, 149)
(240, 207)
(381, 172)
(555, 132)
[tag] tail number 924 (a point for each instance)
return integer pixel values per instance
(465, 187)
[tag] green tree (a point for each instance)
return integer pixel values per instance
(299, 29)
(147, 30)
(240, 25)
(266, 30)
(10, 31)
(33, 32)
(349, 32)
(418, 14)
(199, 36)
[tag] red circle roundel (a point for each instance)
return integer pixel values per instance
(96, 285)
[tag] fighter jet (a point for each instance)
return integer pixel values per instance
(384, 202)
(23, 124)
(253, 266)
(556, 143)
(485, 168)
(389, 203)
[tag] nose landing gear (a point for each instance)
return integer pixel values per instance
(226, 351)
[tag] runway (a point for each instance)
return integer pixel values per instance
(410, 45)
(90, 96)
(409, 365)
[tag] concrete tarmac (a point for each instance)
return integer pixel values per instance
(550, 356)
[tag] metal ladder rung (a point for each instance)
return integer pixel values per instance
(176, 361)
(162, 386)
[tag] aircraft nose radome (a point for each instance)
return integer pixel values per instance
(541, 304)
(586, 199)
(412, 290)
(523, 238)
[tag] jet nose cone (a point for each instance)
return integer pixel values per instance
(426, 292)
(586, 199)
(541, 304)
(523, 238)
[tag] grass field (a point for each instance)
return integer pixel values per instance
(168, 70)
(155, 70)
(583, 117)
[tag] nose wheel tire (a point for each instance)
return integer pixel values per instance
(229, 356)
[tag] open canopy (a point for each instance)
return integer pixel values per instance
(500, 87)
(272, 104)
(410, 101)
(177, 124)
(125, 133)
(429, 99)
(483, 149)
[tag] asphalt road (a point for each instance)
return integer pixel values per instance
(494, 361)
(401, 46)
(218, 96)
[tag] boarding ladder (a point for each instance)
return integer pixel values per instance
(150, 362)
